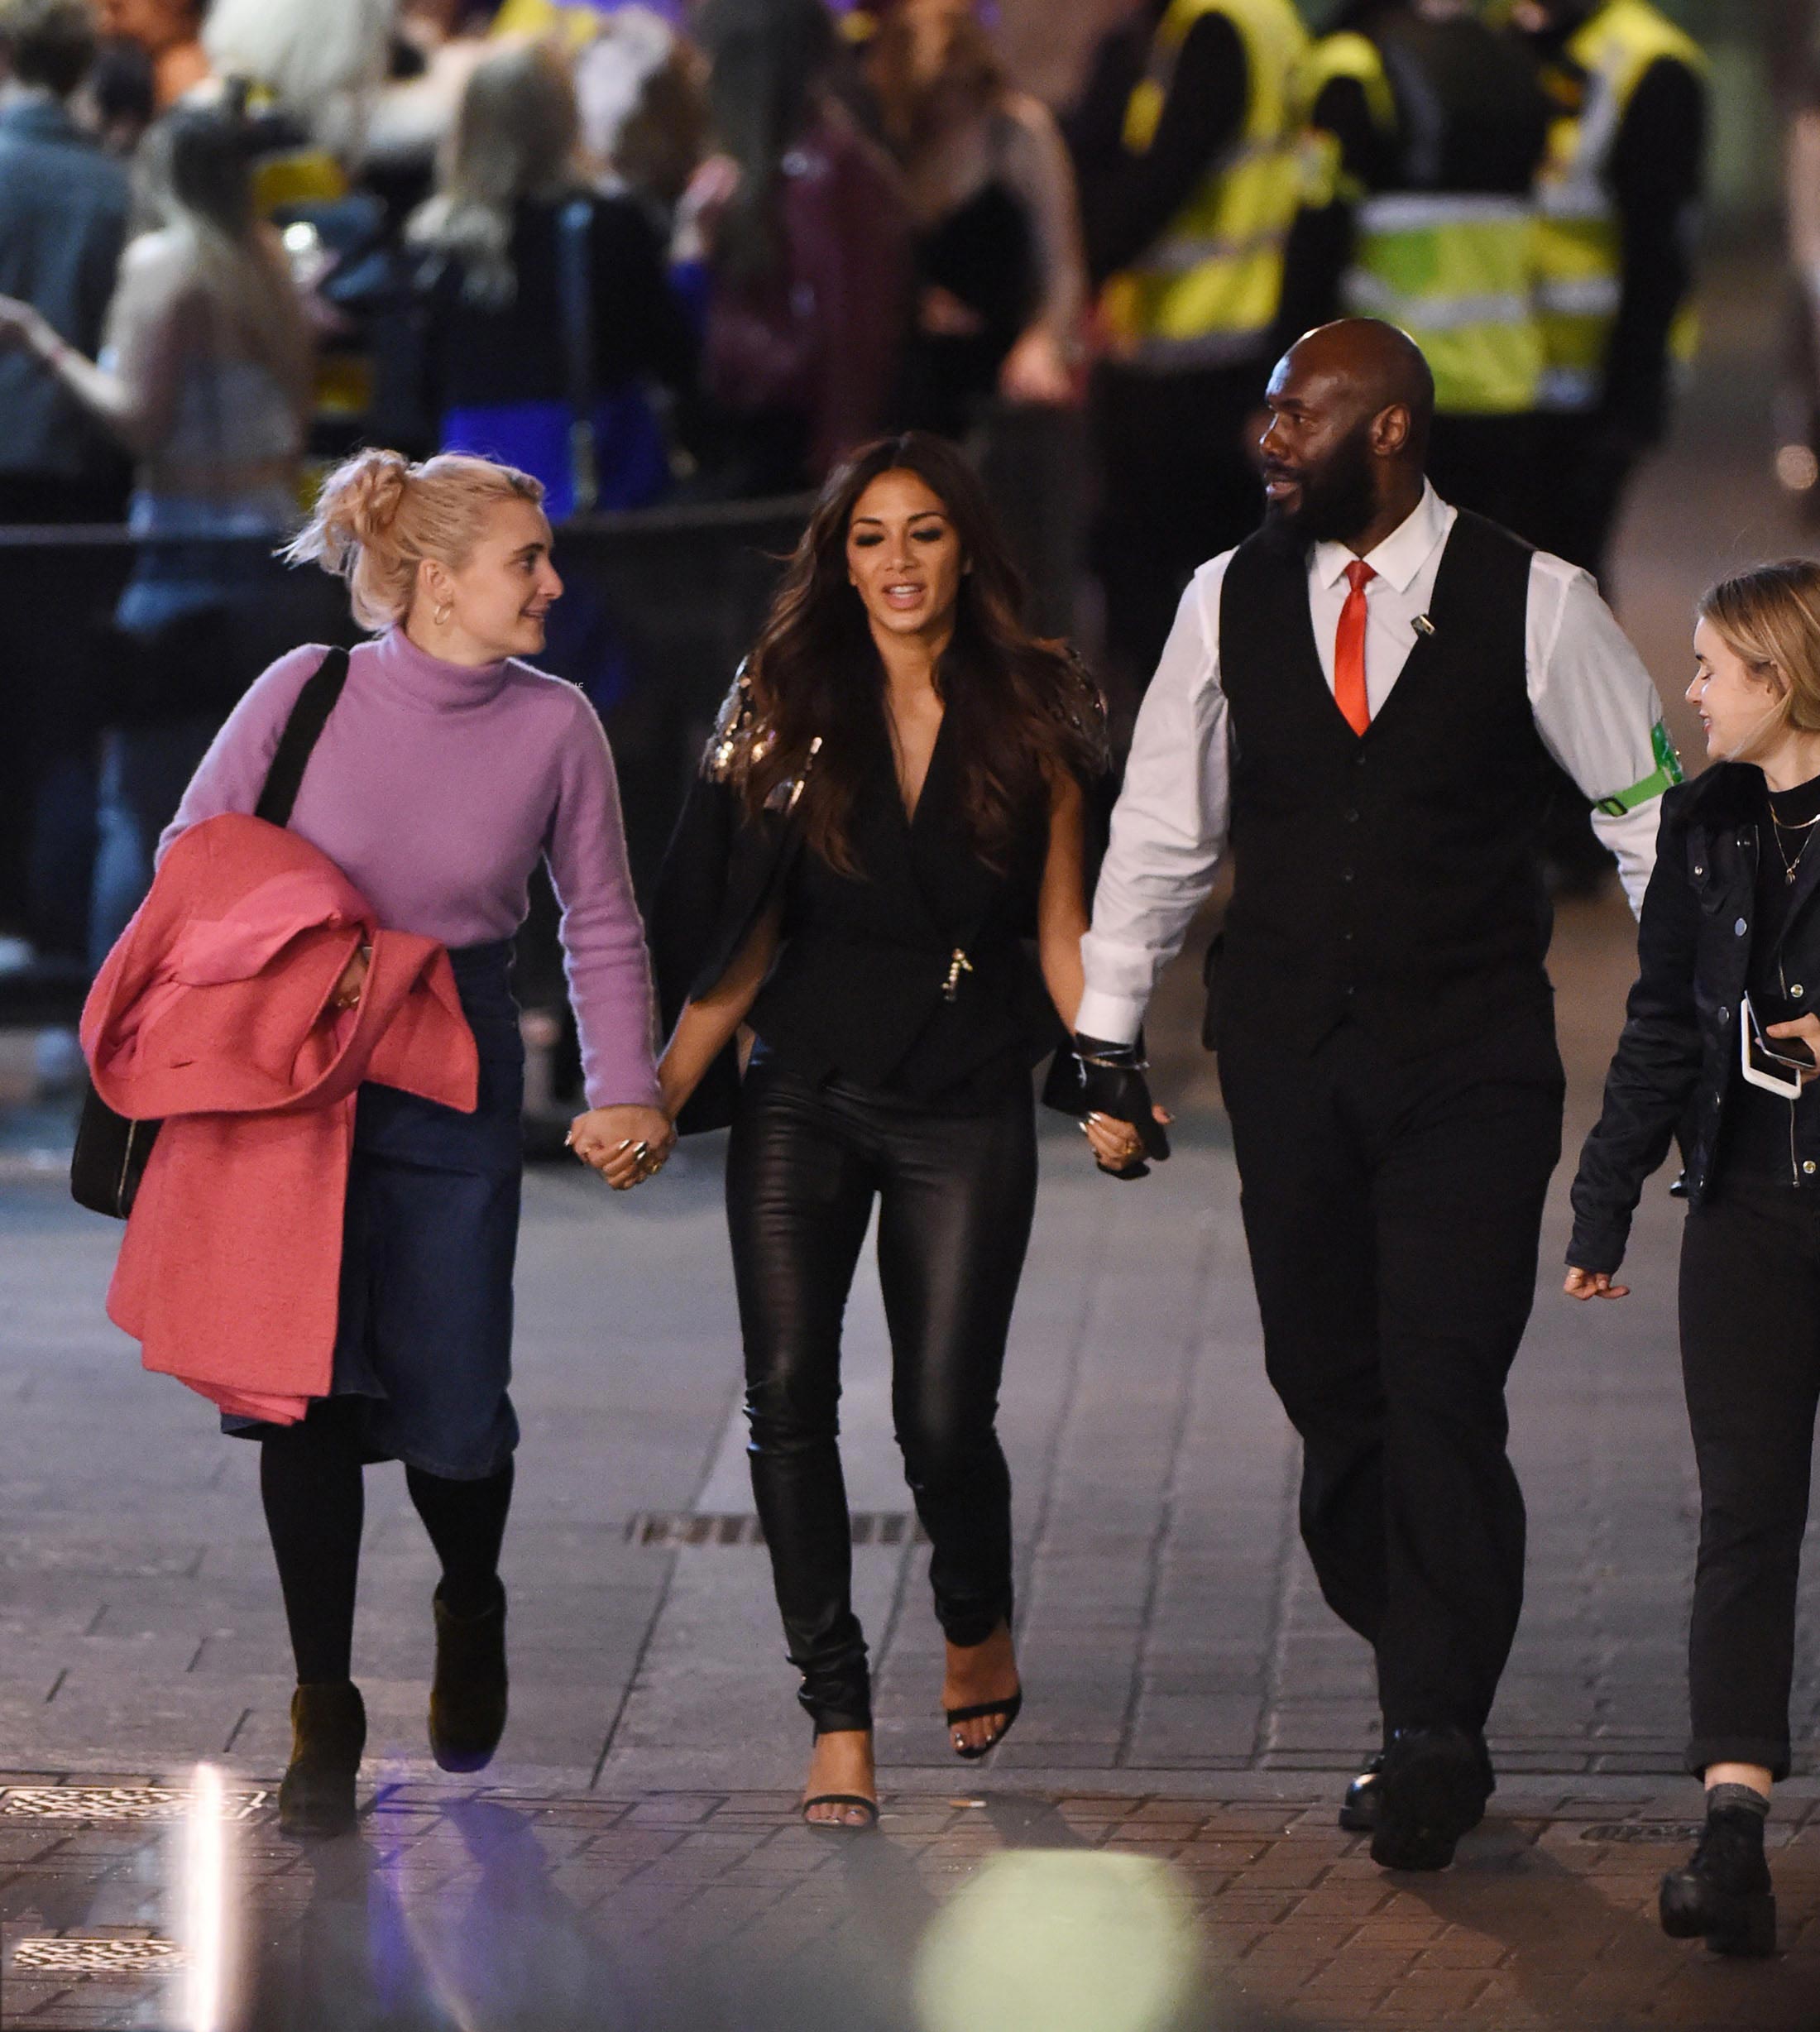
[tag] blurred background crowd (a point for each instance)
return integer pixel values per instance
(676, 259)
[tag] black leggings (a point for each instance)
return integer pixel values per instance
(1750, 1361)
(311, 1479)
(956, 1196)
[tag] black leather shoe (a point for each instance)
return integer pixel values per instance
(328, 1732)
(1432, 1791)
(467, 1696)
(1358, 1809)
(1723, 1894)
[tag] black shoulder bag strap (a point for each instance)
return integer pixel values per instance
(309, 717)
(109, 1158)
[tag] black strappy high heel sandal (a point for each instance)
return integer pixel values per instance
(984, 1711)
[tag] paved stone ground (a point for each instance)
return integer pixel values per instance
(634, 1861)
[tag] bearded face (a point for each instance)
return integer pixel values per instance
(1326, 499)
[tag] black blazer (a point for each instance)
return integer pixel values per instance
(915, 972)
(866, 982)
(719, 875)
(1676, 1057)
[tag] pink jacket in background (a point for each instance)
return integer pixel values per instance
(209, 1016)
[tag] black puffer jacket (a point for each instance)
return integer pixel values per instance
(1678, 1054)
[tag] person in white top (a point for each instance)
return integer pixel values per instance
(1357, 705)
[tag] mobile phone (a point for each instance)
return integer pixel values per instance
(1776, 1064)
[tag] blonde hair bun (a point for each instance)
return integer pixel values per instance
(379, 517)
(363, 497)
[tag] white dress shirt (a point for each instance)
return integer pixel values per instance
(1596, 709)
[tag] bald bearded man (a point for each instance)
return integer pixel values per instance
(1358, 704)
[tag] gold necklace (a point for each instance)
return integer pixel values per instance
(1791, 867)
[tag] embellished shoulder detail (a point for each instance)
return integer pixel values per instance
(1080, 704)
(741, 736)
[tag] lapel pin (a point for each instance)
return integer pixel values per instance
(1423, 625)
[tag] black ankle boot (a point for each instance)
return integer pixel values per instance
(328, 1732)
(1723, 1895)
(467, 1698)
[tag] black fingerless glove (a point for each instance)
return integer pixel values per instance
(1093, 1077)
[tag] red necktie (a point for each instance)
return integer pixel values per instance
(1349, 693)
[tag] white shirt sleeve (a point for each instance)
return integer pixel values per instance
(1170, 827)
(1598, 714)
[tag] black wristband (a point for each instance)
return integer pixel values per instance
(1117, 1057)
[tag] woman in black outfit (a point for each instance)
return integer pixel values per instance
(1718, 1043)
(894, 802)
(541, 296)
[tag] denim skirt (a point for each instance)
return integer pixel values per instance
(424, 1343)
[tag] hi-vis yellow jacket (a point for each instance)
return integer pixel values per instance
(1579, 254)
(1208, 290)
(1454, 269)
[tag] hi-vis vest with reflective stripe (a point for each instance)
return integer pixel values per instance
(1209, 290)
(1579, 254)
(1452, 268)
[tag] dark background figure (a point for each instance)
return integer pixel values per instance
(168, 34)
(62, 222)
(642, 88)
(1000, 271)
(802, 227)
(1186, 145)
(1618, 193)
(1429, 128)
(545, 303)
(205, 376)
(115, 103)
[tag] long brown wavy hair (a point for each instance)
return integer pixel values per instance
(1025, 710)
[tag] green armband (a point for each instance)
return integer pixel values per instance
(1664, 776)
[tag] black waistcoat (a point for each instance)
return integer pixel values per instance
(1390, 878)
(867, 986)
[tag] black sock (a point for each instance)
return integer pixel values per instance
(310, 1479)
(466, 1524)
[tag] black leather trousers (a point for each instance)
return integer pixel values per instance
(955, 1195)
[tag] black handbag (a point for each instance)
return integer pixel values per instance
(109, 1158)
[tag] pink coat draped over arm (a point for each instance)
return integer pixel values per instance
(212, 1015)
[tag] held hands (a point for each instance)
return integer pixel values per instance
(1584, 1284)
(1102, 1084)
(626, 1145)
(1117, 1145)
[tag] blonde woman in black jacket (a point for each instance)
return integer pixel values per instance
(1719, 1041)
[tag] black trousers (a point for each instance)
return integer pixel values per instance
(955, 1195)
(1750, 1359)
(1392, 1208)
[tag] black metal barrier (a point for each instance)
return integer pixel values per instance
(659, 606)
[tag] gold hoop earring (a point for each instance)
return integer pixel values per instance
(442, 613)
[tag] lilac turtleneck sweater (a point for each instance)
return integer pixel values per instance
(435, 788)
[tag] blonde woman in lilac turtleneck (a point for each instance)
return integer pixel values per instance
(446, 769)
